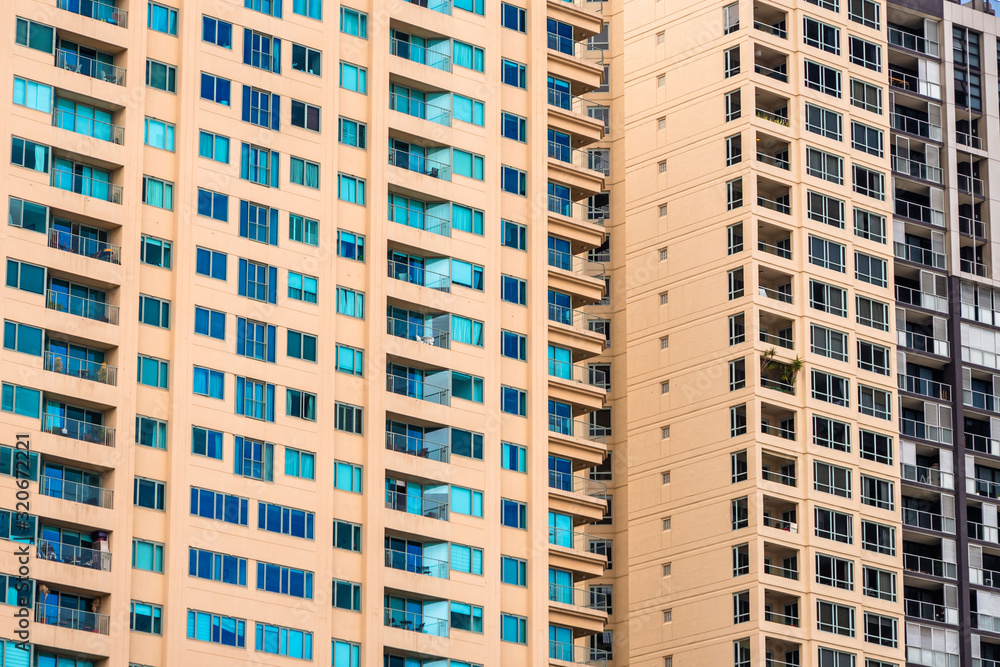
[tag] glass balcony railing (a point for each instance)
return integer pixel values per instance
(416, 274)
(81, 307)
(970, 140)
(87, 247)
(581, 212)
(924, 387)
(780, 524)
(75, 492)
(419, 220)
(596, 162)
(778, 477)
(914, 297)
(777, 295)
(919, 429)
(576, 373)
(416, 563)
(415, 622)
(574, 264)
(925, 475)
(776, 250)
(412, 106)
(420, 54)
(972, 266)
(928, 520)
(932, 566)
(565, 45)
(571, 317)
(74, 619)
(78, 430)
(912, 83)
(780, 571)
(419, 164)
(986, 488)
(419, 447)
(980, 400)
(90, 127)
(80, 368)
(971, 185)
(576, 428)
(921, 128)
(563, 99)
(577, 597)
(774, 205)
(771, 73)
(915, 169)
(925, 610)
(577, 654)
(95, 69)
(914, 253)
(418, 332)
(972, 227)
(782, 619)
(919, 212)
(570, 539)
(922, 343)
(73, 555)
(911, 42)
(779, 341)
(780, 163)
(401, 502)
(442, 6)
(982, 532)
(777, 431)
(99, 11)
(584, 486)
(414, 388)
(85, 185)
(770, 29)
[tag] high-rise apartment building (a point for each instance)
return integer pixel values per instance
(294, 329)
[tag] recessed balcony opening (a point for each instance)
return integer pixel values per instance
(920, 245)
(780, 514)
(912, 32)
(987, 479)
(73, 233)
(924, 377)
(970, 220)
(923, 554)
(416, 554)
(770, 63)
(989, 572)
(437, 273)
(972, 257)
(781, 561)
(967, 133)
(919, 202)
(922, 464)
(781, 608)
(77, 419)
(431, 383)
(94, 178)
(106, 11)
(82, 359)
(74, 484)
(914, 75)
(920, 288)
(989, 653)
(769, 19)
(925, 420)
(777, 421)
(926, 600)
(776, 330)
(413, 612)
(420, 46)
(925, 510)
(980, 390)
(423, 157)
(429, 440)
(70, 608)
(420, 100)
(73, 544)
(774, 284)
(95, 59)
(781, 653)
(418, 496)
(778, 469)
(922, 333)
(427, 326)
(772, 151)
(774, 240)
(774, 195)
(979, 435)
(916, 117)
(771, 106)
(913, 158)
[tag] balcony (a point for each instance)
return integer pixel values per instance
(922, 342)
(417, 274)
(912, 121)
(412, 386)
(417, 564)
(777, 469)
(913, 296)
(774, 285)
(909, 81)
(982, 443)
(774, 240)
(577, 373)
(772, 151)
(415, 622)
(81, 307)
(934, 567)
(923, 387)
(80, 368)
(419, 108)
(928, 519)
(777, 421)
(561, 653)
(91, 127)
(781, 561)
(418, 163)
(916, 169)
(75, 492)
(770, 20)
(577, 597)
(440, 6)
(918, 428)
(99, 11)
(570, 113)
(771, 107)
(595, 163)
(74, 619)
(779, 514)
(913, 39)
(419, 447)
(84, 246)
(415, 331)
(782, 653)
(70, 554)
(419, 218)
(402, 502)
(970, 185)
(74, 181)
(930, 475)
(89, 67)
(774, 196)
(781, 608)
(974, 227)
(78, 430)
(782, 329)
(578, 485)
(419, 54)
(770, 63)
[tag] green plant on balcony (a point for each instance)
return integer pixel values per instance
(779, 375)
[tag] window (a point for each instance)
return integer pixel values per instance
(346, 535)
(349, 418)
(738, 466)
(26, 277)
(825, 209)
(874, 402)
(831, 433)
(514, 401)
(254, 399)
(206, 442)
(879, 584)
(210, 323)
(869, 182)
(822, 78)
(836, 572)
(218, 506)
(300, 464)
(869, 225)
(513, 126)
(734, 150)
(737, 420)
(300, 404)
(162, 19)
(827, 254)
(733, 105)
(29, 155)
(260, 107)
(301, 346)
(515, 182)
(152, 311)
(866, 96)
(832, 479)
(34, 35)
(466, 330)
(253, 458)
(213, 146)
(153, 372)
(731, 62)
(307, 60)
(866, 139)
(877, 492)
(305, 115)
(513, 629)
(158, 134)
(226, 630)
(513, 74)
(467, 164)
(148, 493)
(351, 189)
(737, 375)
(147, 618)
(353, 78)
(876, 447)
(259, 165)
(829, 657)
(880, 629)
(513, 571)
(835, 618)
(303, 230)
(512, 457)
(878, 538)
(821, 35)
(284, 580)
(258, 223)
(513, 18)
(211, 263)
(513, 290)
(161, 76)
(827, 298)
(350, 303)
(213, 566)
(830, 388)
(734, 194)
(832, 525)
(158, 193)
(22, 338)
(739, 513)
(34, 95)
(513, 514)
(865, 12)
(303, 172)
(301, 287)
(213, 205)
(871, 313)
(210, 383)
(285, 520)
(513, 345)
(255, 339)
(730, 18)
(353, 22)
(347, 476)
(828, 342)
(873, 357)
(284, 641)
(216, 32)
(734, 238)
(866, 54)
(352, 133)
(871, 270)
(741, 559)
(741, 607)
(147, 556)
(825, 165)
(345, 654)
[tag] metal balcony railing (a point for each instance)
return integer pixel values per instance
(565, 45)
(577, 597)
(582, 212)
(913, 84)
(570, 539)
(80, 368)
(971, 185)
(419, 447)
(911, 42)
(783, 619)
(76, 492)
(418, 332)
(972, 227)
(74, 619)
(982, 532)
(417, 563)
(420, 54)
(776, 250)
(922, 343)
(420, 220)
(73, 555)
(986, 488)
(780, 524)
(402, 502)
(416, 274)
(566, 101)
(779, 571)
(404, 385)
(442, 6)
(779, 341)
(967, 139)
(415, 622)
(771, 429)
(99, 11)
(65, 179)
(81, 307)
(780, 478)
(419, 164)
(78, 430)
(87, 247)
(90, 67)
(915, 297)
(774, 205)
(90, 127)
(569, 316)
(574, 264)
(771, 73)
(980, 400)
(577, 654)
(584, 486)
(982, 443)
(770, 29)
(586, 160)
(972, 266)
(576, 428)
(576, 373)
(780, 163)
(772, 116)
(412, 106)
(918, 385)
(777, 295)
(925, 610)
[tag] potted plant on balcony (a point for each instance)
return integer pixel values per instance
(786, 372)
